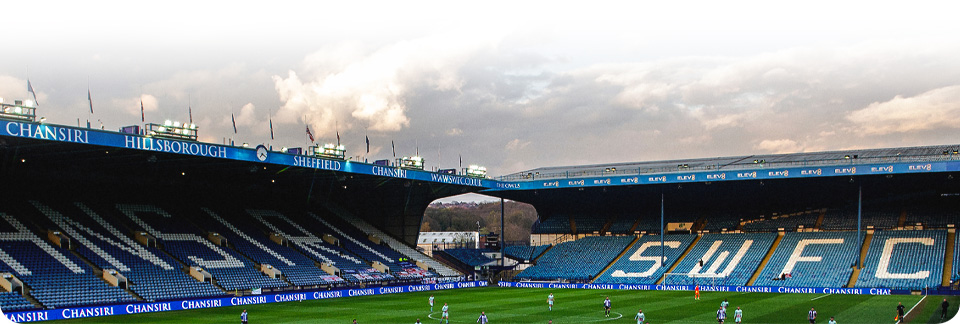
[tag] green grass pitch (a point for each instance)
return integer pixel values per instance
(529, 305)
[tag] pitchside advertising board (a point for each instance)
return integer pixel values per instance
(125, 309)
(738, 289)
(165, 145)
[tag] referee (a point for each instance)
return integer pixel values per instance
(899, 312)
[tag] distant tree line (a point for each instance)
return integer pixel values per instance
(463, 216)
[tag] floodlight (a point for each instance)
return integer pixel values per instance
(28, 103)
(167, 123)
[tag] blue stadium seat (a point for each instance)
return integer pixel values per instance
(904, 260)
(641, 267)
(724, 249)
(471, 257)
(577, 260)
(824, 261)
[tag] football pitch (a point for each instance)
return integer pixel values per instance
(529, 305)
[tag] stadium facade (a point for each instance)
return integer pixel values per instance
(94, 217)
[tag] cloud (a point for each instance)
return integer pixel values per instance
(132, 105)
(934, 109)
(248, 116)
(779, 146)
(12, 88)
(516, 145)
(454, 132)
(363, 88)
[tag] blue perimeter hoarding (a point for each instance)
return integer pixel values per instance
(739, 289)
(138, 308)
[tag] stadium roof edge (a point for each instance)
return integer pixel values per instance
(756, 161)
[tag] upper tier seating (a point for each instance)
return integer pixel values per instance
(731, 258)
(471, 257)
(558, 224)
(788, 222)
(719, 222)
(837, 220)
(641, 263)
(622, 224)
(577, 260)
(823, 259)
(904, 260)
(524, 253)
(587, 224)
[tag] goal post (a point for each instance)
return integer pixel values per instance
(691, 279)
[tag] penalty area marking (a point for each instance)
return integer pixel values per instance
(619, 316)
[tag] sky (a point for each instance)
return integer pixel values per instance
(511, 85)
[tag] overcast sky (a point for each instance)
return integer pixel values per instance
(511, 85)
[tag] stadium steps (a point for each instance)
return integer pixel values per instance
(612, 262)
(26, 295)
(440, 268)
(573, 225)
(283, 276)
(534, 261)
(635, 225)
(451, 261)
(698, 225)
(682, 256)
(903, 218)
(606, 226)
(823, 214)
(863, 256)
(766, 258)
(98, 272)
(948, 263)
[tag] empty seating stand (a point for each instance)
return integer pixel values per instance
(577, 260)
(904, 260)
(817, 259)
(641, 264)
(471, 257)
(524, 253)
(54, 276)
(11, 302)
(730, 258)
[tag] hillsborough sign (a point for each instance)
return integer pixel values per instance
(125, 309)
(90, 136)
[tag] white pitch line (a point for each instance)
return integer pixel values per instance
(815, 298)
(914, 306)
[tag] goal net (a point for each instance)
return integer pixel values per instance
(690, 279)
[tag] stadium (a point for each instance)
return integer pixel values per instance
(150, 225)
(636, 162)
